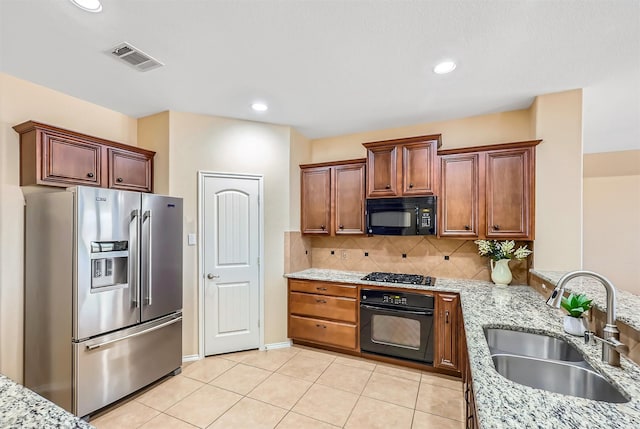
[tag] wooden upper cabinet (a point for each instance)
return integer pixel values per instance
(332, 198)
(402, 167)
(418, 166)
(129, 170)
(382, 166)
(459, 195)
(315, 193)
(56, 157)
(488, 191)
(509, 193)
(65, 160)
(348, 192)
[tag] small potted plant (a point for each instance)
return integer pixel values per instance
(576, 305)
(501, 252)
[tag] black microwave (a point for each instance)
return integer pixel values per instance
(401, 216)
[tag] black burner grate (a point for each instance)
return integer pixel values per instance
(412, 279)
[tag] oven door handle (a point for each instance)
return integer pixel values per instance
(391, 310)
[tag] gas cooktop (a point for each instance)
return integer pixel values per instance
(412, 279)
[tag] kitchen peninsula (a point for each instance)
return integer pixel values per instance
(501, 403)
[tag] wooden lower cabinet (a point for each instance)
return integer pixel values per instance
(323, 313)
(447, 331)
(471, 419)
(335, 334)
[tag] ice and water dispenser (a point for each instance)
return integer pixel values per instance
(109, 263)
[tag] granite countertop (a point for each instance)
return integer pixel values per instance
(627, 304)
(24, 409)
(502, 403)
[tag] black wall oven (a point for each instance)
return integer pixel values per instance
(397, 324)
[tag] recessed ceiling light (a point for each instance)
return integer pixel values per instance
(444, 67)
(88, 5)
(259, 107)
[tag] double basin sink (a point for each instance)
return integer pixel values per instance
(547, 363)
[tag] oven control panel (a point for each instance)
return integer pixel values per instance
(394, 299)
(401, 299)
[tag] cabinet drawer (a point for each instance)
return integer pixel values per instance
(323, 288)
(323, 306)
(322, 331)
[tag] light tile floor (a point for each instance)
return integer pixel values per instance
(293, 388)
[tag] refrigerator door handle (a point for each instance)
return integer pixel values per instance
(136, 334)
(134, 260)
(148, 261)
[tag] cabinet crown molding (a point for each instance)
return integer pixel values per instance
(405, 140)
(334, 163)
(499, 146)
(27, 126)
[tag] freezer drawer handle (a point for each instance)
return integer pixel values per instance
(148, 269)
(146, 331)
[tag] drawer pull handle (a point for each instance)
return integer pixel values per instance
(321, 288)
(321, 301)
(321, 326)
(446, 316)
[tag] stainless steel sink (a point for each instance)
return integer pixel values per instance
(532, 345)
(555, 376)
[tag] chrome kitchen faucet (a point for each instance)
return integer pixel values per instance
(611, 345)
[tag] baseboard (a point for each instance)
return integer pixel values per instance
(274, 346)
(190, 358)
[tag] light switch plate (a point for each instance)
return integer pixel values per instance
(191, 239)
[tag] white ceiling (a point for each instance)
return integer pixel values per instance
(337, 66)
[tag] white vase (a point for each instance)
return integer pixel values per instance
(575, 325)
(500, 272)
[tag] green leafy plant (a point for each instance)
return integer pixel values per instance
(576, 305)
(497, 250)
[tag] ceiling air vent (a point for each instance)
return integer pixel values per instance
(135, 57)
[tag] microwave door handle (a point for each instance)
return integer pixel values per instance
(134, 258)
(147, 267)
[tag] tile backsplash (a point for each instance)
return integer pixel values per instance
(427, 255)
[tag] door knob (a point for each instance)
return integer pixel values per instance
(211, 276)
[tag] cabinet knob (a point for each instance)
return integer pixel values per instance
(89, 175)
(467, 227)
(496, 227)
(446, 316)
(119, 180)
(388, 187)
(410, 185)
(322, 227)
(341, 226)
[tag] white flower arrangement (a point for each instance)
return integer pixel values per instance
(497, 250)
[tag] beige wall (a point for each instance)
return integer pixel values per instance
(153, 134)
(558, 121)
(612, 217)
(300, 154)
(207, 143)
(474, 131)
(22, 101)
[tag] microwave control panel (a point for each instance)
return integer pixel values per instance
(425, 218)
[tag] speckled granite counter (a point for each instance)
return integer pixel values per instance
(627, 304)
(502, 403)
(24, 409)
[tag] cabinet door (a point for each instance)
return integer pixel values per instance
(315, 198)
(69, 161)
(447, 350)
(129, 170)
(418, 168)
(383, 169)
(459, 195)
(509, 190)
(349, 199)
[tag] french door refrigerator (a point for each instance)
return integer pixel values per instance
(103, 294)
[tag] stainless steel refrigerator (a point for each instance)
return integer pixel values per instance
(103, 294)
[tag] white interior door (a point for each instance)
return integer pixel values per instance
(231, 250)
